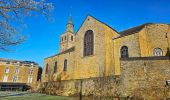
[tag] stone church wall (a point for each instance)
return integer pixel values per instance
(100, 63)
(91, 87)
(154, 36)
(140, 77)
(145, 77)
(132, 42)
(65, 75)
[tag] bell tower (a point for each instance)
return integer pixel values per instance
(68, 37)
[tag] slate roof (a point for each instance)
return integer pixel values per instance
(63, 52)
(66, 51)
(15, 61)
(132, 30)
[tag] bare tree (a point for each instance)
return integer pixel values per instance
(12, 13)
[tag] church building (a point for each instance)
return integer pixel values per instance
(96, 49)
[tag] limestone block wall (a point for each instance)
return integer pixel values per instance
(132, 42)
(79, 66)
(140, 78)
(145, 77)
(142, 43)
(65, 75)
(154, 36)
(89, 66)
(100, 63)
(96, 87)
(67, 41)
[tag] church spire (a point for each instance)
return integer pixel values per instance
(70, 20)
(70, 26)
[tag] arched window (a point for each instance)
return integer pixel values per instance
(88, 43)
(124, 52)
(158, 52)
(55, 67)
(71, 38)
(65, 65)
(62, 39)
(46, 70)
(65, 37)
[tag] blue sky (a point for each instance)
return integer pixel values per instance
(42, 37)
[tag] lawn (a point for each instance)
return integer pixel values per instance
(35, 96)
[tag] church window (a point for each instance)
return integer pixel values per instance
(65, 37)
(62, 39)
(46, 71)
(88, 43)
(65, 65)
(158, 52)
(55, 67)
(71, 38)
(124, 52)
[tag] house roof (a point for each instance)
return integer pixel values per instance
(15, 61)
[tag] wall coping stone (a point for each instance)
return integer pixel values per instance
(145, 58)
